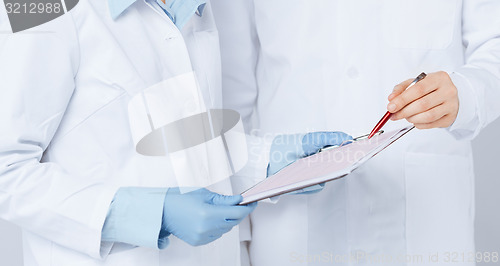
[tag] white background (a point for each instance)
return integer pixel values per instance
(486, 160)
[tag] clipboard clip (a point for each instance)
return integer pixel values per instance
(347, 142)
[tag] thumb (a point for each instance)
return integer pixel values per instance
(312, 142)
(218, 199)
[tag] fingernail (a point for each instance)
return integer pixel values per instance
(391, 96)
(391, 107)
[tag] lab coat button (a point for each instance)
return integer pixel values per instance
(352, 73)
(171, 37)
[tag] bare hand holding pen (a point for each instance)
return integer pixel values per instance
(431, 103)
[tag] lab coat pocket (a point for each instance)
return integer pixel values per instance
(420, 24)
(439, 204)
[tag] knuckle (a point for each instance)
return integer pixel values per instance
(430, 116)
(423, 104)
(399, 101)
(450, 93)
(453, 92)
(403, 113)
(442, 74)
(420, 89)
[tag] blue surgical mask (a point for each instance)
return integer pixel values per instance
(180, 11)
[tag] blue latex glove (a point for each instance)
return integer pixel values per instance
(287, 149)
(200, 217)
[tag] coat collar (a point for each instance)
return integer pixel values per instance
(116, 7)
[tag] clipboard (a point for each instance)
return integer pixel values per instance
(329, 164)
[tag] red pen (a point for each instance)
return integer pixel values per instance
(387, 115)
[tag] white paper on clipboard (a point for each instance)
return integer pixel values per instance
(322, 167)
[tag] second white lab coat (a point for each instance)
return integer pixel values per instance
(65, 130)
(329, 65)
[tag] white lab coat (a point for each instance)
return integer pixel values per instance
(300, 66)
(65, 139)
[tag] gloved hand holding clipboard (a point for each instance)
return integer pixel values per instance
(328, 165)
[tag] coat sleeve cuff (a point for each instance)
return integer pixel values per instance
(467, 122)
(135, 218)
